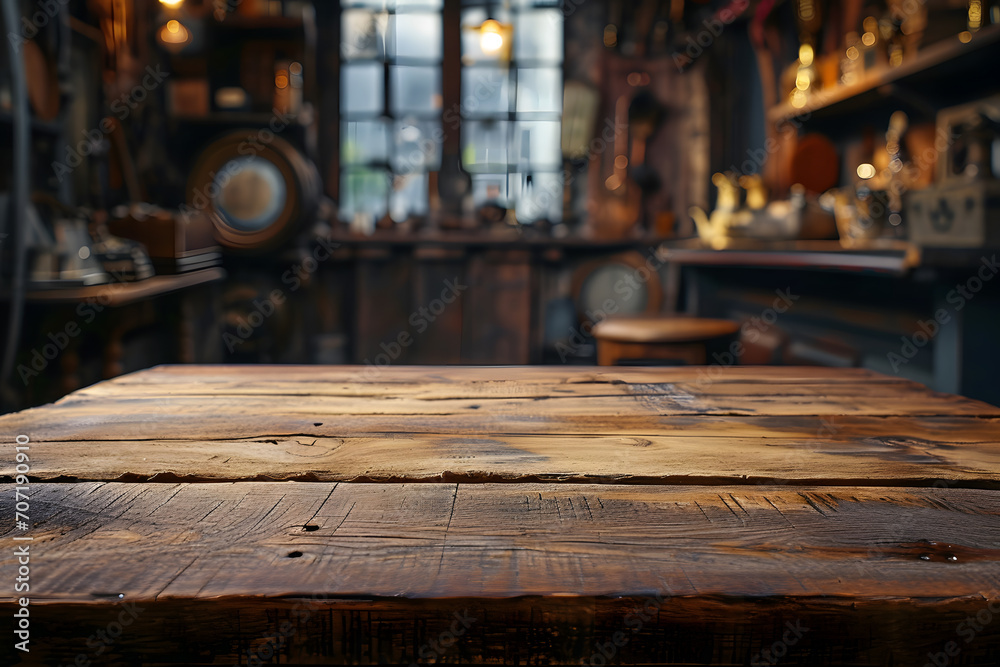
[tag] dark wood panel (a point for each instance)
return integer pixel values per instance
(384, 301)
(497, 325)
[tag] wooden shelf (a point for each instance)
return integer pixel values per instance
(882, 256)
(942, 60)
(893, 257)
(120, 294)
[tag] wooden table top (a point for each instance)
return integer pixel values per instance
(551, 499)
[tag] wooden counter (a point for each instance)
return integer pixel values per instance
(338, 515)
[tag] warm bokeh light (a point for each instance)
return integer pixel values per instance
(610, 35)
(174, 33)
(172, 3)
(965, 37)
(853, 53)
(866, 171)
(868, 38)
(802, 80)
(806, 55)
(490, 36)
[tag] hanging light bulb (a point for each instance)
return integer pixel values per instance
(174, 34)
(491, 36)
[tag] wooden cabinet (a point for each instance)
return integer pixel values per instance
(463, 299)
(433, 305)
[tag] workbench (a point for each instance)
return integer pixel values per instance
(221, 515)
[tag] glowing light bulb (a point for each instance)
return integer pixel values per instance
(172, 3)
(490, 36)
(806, 55)
(174, 33)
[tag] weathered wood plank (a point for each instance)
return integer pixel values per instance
(839, 455)
(434, 541)
(661, 400)
(799, 503)
(403, 374)
(508, 389)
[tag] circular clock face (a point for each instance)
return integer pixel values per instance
(251, 193)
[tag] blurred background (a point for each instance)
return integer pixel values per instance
(382, 182)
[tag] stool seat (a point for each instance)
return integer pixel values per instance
(678, 338)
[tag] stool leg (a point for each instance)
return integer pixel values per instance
(607, 353)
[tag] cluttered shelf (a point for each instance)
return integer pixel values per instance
(941, 61)
(887, 256)
(123, 293)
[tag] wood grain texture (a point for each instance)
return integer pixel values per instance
(751, 426)
(551, 502)
(193, 541)
(685, 456)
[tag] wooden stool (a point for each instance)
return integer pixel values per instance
(672, 337)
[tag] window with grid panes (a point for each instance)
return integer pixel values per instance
(511, 105)
(390, 106)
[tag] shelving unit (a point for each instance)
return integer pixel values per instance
(882, 256)
(935, 64)
(890, 257)
(120, 294)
